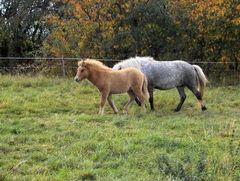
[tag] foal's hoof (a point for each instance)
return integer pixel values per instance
(125, 112)
(204, 108)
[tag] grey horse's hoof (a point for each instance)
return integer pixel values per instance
(204, 108)
(176, 110)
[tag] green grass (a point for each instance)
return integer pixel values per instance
(49, 130)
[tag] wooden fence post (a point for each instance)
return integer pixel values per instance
(63, 68)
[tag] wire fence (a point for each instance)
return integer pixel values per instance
(227, 73)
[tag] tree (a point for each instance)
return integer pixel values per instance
(23, 26)
(79, 28)
(210, 28)
(110, 29)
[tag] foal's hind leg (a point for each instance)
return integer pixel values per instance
(136, 98)
(199, 97)
(139, 94)
(137, 101)
(131, 99)
(182, 98)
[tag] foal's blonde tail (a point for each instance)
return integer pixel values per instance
(145, 88)
(201, 78)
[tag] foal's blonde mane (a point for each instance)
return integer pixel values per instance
(92, 62)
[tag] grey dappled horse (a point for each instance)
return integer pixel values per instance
(165, 75)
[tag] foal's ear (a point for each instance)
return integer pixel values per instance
(84, 63)
(79, 63)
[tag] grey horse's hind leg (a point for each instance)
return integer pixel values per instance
(182, 98)
(150, 90)
(199, 97)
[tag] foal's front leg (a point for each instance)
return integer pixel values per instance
(111, 103)
(103, 101)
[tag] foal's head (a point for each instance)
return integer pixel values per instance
(82, 71)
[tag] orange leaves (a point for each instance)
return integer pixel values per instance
(209, 9)
(236, 21)
(97, 28)
(224, 58)
(213, 26)
(52, 19)
(76, 9)
(238, 7)
(79, 26)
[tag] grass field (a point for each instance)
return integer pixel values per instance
(49, 130)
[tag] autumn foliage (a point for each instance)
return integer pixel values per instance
(202, 30)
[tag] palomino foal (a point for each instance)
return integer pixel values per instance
(110, 82)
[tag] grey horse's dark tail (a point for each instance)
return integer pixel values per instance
(201, 79)
(145, 88)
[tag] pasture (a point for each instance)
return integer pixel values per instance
(49, 130)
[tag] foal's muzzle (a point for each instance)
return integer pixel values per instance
(76, 79)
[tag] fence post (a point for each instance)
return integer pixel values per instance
(11, 66)
(63, 67)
